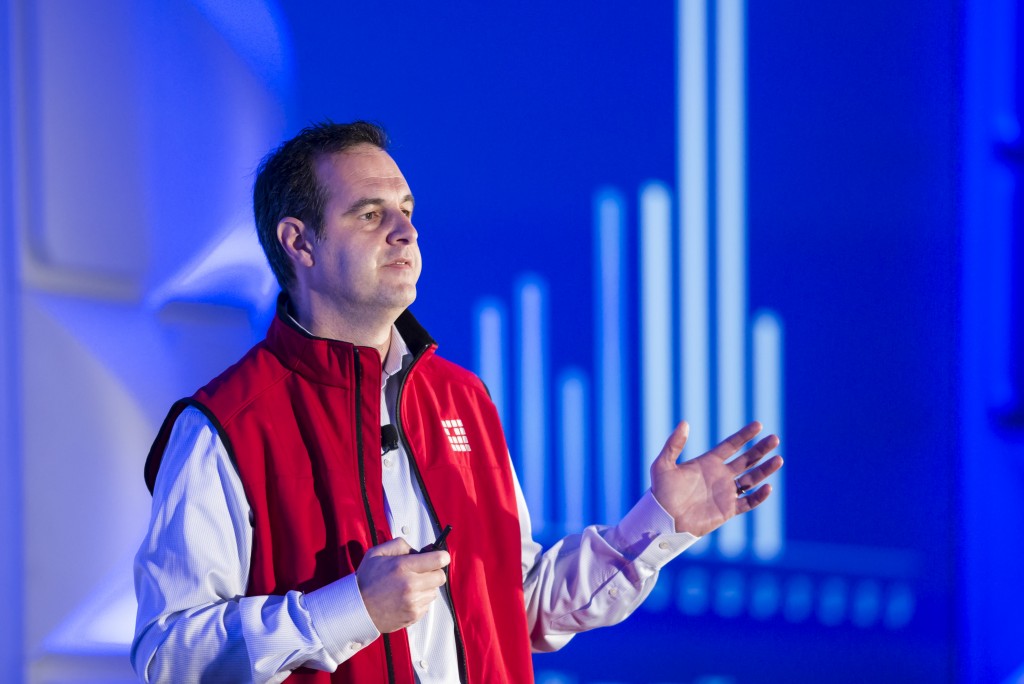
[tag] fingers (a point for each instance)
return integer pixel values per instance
(753, 498)
(754, 454)
(673, 446)
(734, 442)
(392, 547)
(397, 588)
(404, 558)
(417, 562)
(747, 491)
(427, 561)
(677, 440)
(754, 476)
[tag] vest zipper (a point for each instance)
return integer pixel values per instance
(362, 488)
(460, 647)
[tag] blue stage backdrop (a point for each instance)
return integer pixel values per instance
(708, 209)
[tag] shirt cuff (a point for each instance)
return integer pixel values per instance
(648, 534)
(339, 618)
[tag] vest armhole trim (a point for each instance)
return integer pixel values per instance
(221, 432)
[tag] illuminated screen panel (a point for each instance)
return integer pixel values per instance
(731, 198)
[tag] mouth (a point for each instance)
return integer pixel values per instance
(400, 263)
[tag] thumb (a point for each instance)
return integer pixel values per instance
(427, 562)
(392, 547)
(673, 447)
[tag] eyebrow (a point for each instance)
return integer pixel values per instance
(374, 201)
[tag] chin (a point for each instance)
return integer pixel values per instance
(404, 300)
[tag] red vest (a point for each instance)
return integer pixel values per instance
(300, 416)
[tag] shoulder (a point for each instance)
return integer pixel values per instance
(253, 376)
(203, 417)
(189, 447)
(194, 448)
(439, 369)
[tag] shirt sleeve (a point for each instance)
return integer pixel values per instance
(598, 577)
(194, 622)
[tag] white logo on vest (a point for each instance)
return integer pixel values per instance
(456, 434)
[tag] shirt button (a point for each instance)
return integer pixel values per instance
(423, 664)
(387, 462)
(405, 529)
(613, 592)
(354, 647)
(663, 546)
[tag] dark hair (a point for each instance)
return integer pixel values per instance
(286, 184)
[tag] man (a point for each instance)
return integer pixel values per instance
(292, 492)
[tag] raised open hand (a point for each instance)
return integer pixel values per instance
(702, 493)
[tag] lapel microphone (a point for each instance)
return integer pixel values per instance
(388, 438)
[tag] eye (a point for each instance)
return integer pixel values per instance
(368, 216)
(407, 212)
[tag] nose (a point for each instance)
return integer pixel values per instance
(402, 231)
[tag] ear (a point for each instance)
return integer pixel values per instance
(297, 240)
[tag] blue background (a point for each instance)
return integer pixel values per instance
(871, 234)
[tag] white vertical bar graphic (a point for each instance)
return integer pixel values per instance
(692, 175)
(490, 351)
(575, 449)
(532, 396)
(656, 322)
(731, 240)
(768, 403)
(611, 384)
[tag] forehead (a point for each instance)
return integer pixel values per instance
(360, 171)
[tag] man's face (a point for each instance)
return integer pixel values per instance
(367, 262)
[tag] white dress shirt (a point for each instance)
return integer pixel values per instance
(195, 623)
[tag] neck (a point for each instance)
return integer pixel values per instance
(363, 330)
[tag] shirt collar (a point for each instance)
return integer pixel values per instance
(398, 355)
(295, 321)
(398, 350)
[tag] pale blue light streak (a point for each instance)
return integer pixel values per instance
(730, 590)
(692, 175)
(656, 322)
(765, 596)
(799, 598)
(900, 607)
(554, 677)
(832, 601)
(692, 592)
(533, 395)
(768, 403)
(490, 351)
(730, 203)
(867, 603)
(575, 429)
(611, 380)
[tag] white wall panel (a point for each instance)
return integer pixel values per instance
(136, 129)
